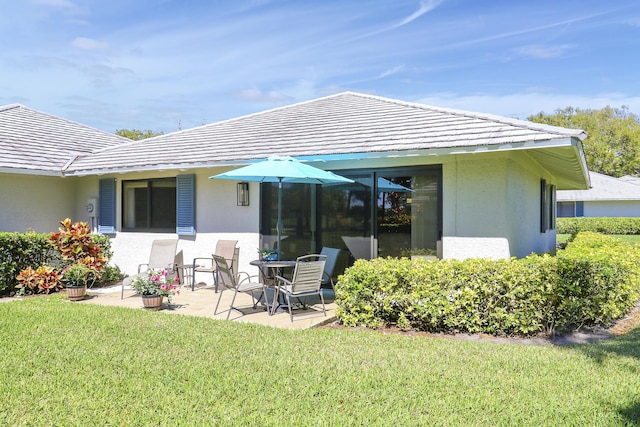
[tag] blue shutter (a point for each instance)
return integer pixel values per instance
(185, 204)
(579, 208)
(107, 206)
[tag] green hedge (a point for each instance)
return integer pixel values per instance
(604, 225)
(593, 282)
(20, 250)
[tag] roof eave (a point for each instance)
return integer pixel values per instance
(350, 157)
(37, 172)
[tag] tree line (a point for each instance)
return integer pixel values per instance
(612, 146)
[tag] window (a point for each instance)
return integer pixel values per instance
(149, 205)
(566, 209)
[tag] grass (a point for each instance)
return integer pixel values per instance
(71, 364)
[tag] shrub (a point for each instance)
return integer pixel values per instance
(44, 279)
(77, 246)
(111, 273)
(604, 225)
(598, 280)
(20, 250)
(593, 282)
(477, 295)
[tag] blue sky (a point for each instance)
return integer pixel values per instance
(165, 65)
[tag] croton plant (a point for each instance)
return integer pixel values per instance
(76, 245)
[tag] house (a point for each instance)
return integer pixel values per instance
(607, 197)
(456, 184)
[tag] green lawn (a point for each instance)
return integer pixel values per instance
(73, 364)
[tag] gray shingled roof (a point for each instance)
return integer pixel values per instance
(36, 142)
(345, 126)
(347, 123)
(603, 187)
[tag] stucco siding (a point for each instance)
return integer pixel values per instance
(217, 217)
(132, 249)
(474, 207)
(612, 208)
(37, 203)
(523, 195)
(491, 207)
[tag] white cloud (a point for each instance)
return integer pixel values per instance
(257, 95)
(391, 71)
(85, 43)
(525, 104)
(56, 3)
(544, 52)
(425, 7)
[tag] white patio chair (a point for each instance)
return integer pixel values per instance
(231, 281)
(163, 255)
(306, 281)
(224, 248)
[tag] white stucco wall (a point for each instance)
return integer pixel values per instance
(612, 208)
(217, 217)
(37, 203)
(523, 196)
(491, 207)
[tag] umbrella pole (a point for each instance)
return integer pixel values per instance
(279, 224)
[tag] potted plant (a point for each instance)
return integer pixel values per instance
(153, 285)
(76, 278)
(268, 254)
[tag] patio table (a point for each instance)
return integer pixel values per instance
(185, 272)
(269, 270)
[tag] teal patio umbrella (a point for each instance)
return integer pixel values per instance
(282, 169)
(387, 186)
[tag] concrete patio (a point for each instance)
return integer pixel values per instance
(202, 302)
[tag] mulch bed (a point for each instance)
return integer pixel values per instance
(621, 327)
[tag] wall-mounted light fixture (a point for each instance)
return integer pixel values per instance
(243, 194)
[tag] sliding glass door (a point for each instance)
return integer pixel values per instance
(408, 214)
(384, 212)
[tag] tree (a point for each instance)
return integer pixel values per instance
(136, 134)
(612, 146)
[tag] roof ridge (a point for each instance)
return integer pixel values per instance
(10, 107)
(257, 113)
(579, 133)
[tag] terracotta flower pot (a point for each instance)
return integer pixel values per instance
(152, 302)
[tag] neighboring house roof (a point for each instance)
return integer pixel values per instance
(603, 187)
(39, 143)
(347, 126)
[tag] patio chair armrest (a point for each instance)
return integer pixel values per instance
(210, 259)
(140, 267)
(280, 279)
(247, 277)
